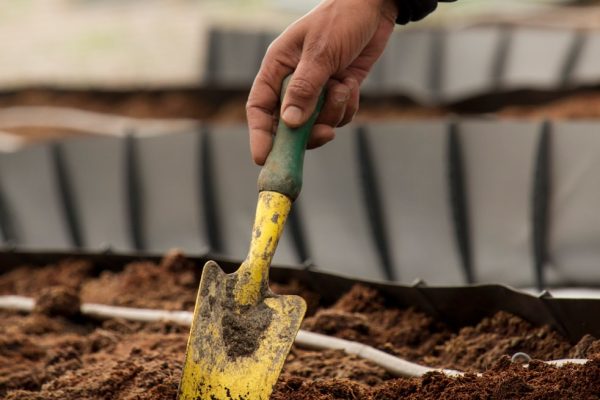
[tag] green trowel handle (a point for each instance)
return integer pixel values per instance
(282, 171)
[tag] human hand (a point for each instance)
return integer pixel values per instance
(333, 46)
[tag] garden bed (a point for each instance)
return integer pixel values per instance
(56, 353)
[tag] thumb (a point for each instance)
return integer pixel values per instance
(303, 92)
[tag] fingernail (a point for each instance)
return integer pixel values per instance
(292, 115)
(342, 95)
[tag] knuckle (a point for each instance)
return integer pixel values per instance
(302, 88)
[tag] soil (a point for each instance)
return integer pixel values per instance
(168, 103)
(55, 353)
(220, 106)
(582, 105)
(225, 106)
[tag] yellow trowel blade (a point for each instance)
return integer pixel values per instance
(237, 355)
(242, 332)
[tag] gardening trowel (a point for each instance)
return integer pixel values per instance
(242, 332)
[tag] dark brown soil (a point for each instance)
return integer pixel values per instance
(167, 103)
(505, 381)
(171, 285)
(58, 354)
(229, 106)
(29, 281)
(43, 358)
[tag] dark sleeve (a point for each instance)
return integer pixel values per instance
(415, 10)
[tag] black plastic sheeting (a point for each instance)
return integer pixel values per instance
(446, 201)
(457, 306)
(438, 65)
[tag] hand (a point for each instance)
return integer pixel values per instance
(334, 46)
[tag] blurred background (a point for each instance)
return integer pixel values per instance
(491, 107)
(143, 58)
(182, 58)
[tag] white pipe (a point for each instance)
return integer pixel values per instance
(560, 363)
(394, 365)
(17, 303)
(101, 311)
(310, 340)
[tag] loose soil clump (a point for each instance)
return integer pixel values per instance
(58, 301)
(57, 354)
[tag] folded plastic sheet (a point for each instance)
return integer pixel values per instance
(574, 234)
(168, 175)
(537, 58)
(411, 170)
(499, 161)
(333, 212)
(95, 169)
(435, 66)
(447, 201)
(234, 58)
(33, 210)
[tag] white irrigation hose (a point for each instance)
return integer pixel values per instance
(17, 303)
(394, 365)
(101, 311)
(560, 363)
(310, 340)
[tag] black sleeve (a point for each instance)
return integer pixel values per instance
(415, 10)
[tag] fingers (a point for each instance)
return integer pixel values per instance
(337, 96)
(352, 104)
(260, 124)
(341, 103)
(303, 91)
(340, 107)
(320, 135)
(261, 108)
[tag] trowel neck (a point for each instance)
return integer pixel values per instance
(253, 275)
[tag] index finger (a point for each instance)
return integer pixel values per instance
(262, 105)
